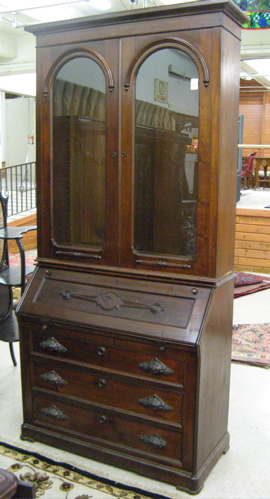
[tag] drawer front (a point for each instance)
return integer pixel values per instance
(148, 361)
(102, 426)
(120, 393)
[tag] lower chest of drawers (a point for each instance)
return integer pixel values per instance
(114, 392)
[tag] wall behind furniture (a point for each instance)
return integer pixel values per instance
(255, 106)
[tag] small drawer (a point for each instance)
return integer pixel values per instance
(98, 350)
(99, 425)
(118, 392)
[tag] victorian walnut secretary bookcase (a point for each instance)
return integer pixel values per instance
(125, 327)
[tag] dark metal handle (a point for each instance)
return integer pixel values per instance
(53, 378)
(156, 403)
(155, 366)
(52, 345)
(54, 413)
(101, 351)
(101, 383)
(102, 419)
(154, 440)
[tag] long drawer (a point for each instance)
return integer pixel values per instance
(104, 426)
(94, 348)
(122, 392)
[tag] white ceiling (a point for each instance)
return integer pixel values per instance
(17, 47)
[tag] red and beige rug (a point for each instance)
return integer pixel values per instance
(246, 283)
(251, 344)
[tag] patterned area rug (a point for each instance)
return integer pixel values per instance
(246, 283)
(251, 344)
(15, 260)
(60, 481)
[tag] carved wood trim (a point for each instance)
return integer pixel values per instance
(72, 54)
(173, 42)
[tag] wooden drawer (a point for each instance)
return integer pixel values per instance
(100, 350)
(100, 425)
(114, 391)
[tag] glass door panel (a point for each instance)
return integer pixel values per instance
(79, 135)
(166, 155)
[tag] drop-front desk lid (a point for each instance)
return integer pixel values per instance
(160, 310)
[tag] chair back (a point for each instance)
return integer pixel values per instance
(250, 163)
(5, 302)
(3, 223)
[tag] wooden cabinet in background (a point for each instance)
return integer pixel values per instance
(126, 325)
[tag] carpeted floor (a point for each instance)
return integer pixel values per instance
(251, 344)
(61, 481)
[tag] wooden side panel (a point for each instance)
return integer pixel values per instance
(228, 133)
(215, 360)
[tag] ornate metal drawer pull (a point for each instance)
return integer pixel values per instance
(53, 378)
(52, 345)
(156, 403)
(155, 366)
(154, 440)
(54, 412)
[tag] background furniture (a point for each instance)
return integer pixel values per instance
(248, 171)
(12, 488)
(126, 326)
(262, 173)
(10, 277)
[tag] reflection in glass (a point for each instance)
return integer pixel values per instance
(166, 140)
(79, 154)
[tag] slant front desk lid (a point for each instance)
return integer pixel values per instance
(162, 310)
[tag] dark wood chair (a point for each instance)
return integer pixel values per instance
(10, 277)
(8, 321)
(248, 171)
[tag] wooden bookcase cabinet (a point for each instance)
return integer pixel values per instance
(126, 338)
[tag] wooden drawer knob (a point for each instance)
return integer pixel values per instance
(101, 383)
(101, 351)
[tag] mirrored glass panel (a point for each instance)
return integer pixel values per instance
(79, 154)
(166, 154)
